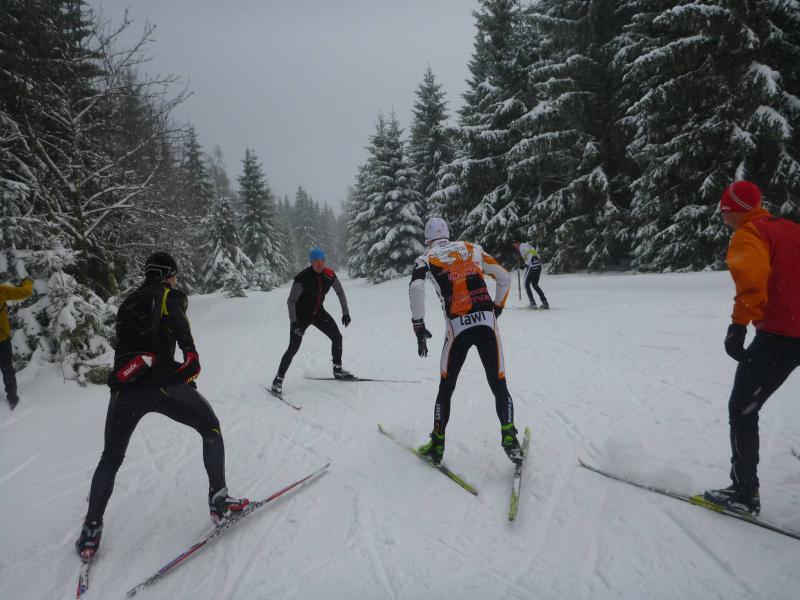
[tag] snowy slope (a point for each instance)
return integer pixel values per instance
(625, 371)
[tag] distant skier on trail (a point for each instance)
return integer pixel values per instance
(145, 379)
(306, 297)
(457, 271)
(764, 262)
(533, 270)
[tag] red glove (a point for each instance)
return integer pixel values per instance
(190, 368)
(133, 369)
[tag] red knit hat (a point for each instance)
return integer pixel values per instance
(741, 196)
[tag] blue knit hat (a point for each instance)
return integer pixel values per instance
(316, 254)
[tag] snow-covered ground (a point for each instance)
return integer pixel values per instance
(626, 371)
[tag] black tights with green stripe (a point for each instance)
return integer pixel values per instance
(180, 402)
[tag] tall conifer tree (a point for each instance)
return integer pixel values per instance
(259, 230)
(393, 236)
(430, 145)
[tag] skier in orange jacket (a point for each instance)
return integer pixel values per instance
(764, 261)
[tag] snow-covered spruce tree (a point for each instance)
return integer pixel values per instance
(227, 267)
(197, 188)
(305, 226)
(393, 237)
(717, 101)
(64, 320)
(66, 86)
(65, 77)
(567, 165)
(328, 234)
(358, 216)
(259, 232)
(166, 229)
(285, 232)
(475, 196)
(218, 174)
(430, 145)
(196, 197)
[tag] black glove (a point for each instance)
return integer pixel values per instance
(734, 341)
(346, 320)
(422, 336)
(498, 310)
(295, 328)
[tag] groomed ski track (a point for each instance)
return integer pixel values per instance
(629, 373)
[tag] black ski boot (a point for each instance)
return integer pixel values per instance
(510, 443)
(89, 539)
(223, 507)
(735, 498)
(545, 305)
(340, 373)
(434, 449)
(277, 385)
(13, 398)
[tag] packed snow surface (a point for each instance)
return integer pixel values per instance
(627, 372)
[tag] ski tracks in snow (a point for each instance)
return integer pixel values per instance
(625, 372)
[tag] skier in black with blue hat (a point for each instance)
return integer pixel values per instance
(305, 309)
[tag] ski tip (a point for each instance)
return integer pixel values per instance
(381, 429)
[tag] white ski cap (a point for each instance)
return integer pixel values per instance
(436, 229)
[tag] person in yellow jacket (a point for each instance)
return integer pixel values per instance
(10, 292)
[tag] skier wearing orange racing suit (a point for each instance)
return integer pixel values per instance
(457, 271)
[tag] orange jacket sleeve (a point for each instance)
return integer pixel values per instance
(749, 264)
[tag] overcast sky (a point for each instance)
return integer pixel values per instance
(301, 81)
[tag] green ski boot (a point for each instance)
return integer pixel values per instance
(511, 443)
(434, 449)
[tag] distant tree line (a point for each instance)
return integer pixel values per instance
(604, 131)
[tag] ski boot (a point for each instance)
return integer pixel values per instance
(340, 373)
(223, 507)
(434, 449)
(510, 443)
(277, 385)
(545, 306)
(736, 499)
(89, 539)
(532, 305)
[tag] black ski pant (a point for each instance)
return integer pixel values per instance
(454, 354)
(180, 402)
(532, 281)
(327, 325)
(769, 361)
(7, 366)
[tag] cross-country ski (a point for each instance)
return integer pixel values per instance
(279, 396)
(219, 529)
(356, 379)
(697, 500)
(438, 466)
(516, 482)
(83, 578)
